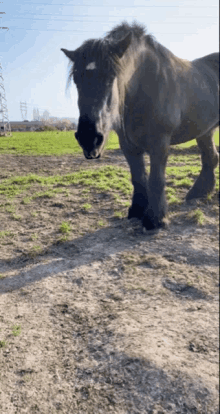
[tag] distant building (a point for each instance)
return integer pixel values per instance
(25, 125)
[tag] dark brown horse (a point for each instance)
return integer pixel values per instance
(152, 99)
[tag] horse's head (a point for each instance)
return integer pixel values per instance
(94, 72)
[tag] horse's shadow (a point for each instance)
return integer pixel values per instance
(62, 256)
(97, 246)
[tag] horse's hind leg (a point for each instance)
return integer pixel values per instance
(205, 183)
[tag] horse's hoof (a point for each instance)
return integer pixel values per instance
(149, 224)
(135, 212)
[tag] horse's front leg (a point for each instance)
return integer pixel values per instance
(139, 181)
(157, 206)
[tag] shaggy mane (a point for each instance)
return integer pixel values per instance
(121, 30)
(98, 49)
(139, 33)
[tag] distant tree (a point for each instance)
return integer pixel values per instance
(58, 123)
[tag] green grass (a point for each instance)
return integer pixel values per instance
(118, 214)
(171, 195)
(57, 143)
(104, 178)
(107, 179)
(193, 142)
(86, 206)
(34, 236)
(16, 330)
(46, 143)
(26, 200)
(197, 216)
(181, 172)
(65, 227)
(4, 233)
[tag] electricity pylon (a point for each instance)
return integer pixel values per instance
(23, 108)
(5, 126)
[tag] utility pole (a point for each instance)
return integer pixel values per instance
(5, 126)
(23, 108)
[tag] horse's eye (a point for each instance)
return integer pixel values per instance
(77, 76)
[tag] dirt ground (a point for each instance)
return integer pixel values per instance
(110, 320)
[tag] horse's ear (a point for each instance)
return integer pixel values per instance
(121, 46)
(69, 53)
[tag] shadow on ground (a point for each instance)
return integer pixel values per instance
(99, 245)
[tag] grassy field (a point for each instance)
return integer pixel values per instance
(181, 170)
(57, 143)
(19, 190)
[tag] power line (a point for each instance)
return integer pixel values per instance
(4, 28)
(62, 20)
(77, 15)
(54, 30)
(107, 15)
(115, 5)
(88, 31)
(92, 21)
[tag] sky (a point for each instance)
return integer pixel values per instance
(35, 70)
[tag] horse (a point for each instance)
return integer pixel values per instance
(130, 83)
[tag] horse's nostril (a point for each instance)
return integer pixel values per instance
(98, 139)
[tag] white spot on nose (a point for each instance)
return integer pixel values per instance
(91, 66)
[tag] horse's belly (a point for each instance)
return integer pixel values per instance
(201, 116)
(185, 132)
(195, 127)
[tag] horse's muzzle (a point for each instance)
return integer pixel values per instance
(95, 154)
(91, 141)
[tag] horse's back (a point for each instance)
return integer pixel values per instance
(202, 111)
(209, 65)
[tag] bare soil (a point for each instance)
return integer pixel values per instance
(110, 320)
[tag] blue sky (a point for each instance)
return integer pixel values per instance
(34, 68)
